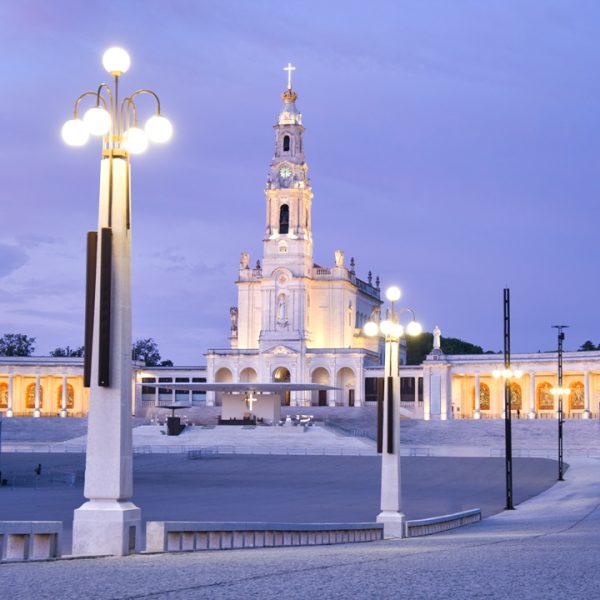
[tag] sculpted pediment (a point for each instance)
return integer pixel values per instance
(281, 349)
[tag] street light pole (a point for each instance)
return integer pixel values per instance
(559, 391)
(388, 434)
(109, 523)
(507, 405)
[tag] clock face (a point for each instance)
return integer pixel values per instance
(285, 172)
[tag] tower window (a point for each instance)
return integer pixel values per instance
(286, 143)
(284, 219)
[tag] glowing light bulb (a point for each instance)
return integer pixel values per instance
(159, 129)
(517, 373)
(393, 293)
(116, 61)
(496, 374)
(135, 140)
(507, 373)
(386, 327)
(97, 120)
(75, 133)
(371, 329)
(414, 328)
(396, 330)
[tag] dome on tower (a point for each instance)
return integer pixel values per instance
(289, 114)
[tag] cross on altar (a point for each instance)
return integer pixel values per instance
(289, 70)
(250, 400)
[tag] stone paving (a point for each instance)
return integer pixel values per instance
(548, 548)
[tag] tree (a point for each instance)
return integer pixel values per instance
(417, 348)
(166, 363)
(587, 346)
(16, 344)
(67, 351)
(146, 350)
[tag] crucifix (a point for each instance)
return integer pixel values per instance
(289, 70)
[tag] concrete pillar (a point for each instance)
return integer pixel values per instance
(416, 390)
(393, 520)
(10, 409)
(65, 395)
(36, 411)
(426, 395)
(109, 523)
(477, 412)
(586, 395)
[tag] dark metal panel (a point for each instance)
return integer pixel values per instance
(391, 417)
(105, 307)
(90, 297)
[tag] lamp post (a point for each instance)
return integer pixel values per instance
(109, 523)
(560, 392)
(388, 413)
(507, 374)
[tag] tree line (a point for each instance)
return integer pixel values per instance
(19, 344)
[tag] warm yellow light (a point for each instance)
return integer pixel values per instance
(496, 374)
(75, 133)
(371, 329)
(396, 330)
(517, 373)
(414, 328)
(135, 140)
(116, 61)
(158, 129)
(97, 120)
(507, 373)
(386, 327)
(393, 293)
(557, 391)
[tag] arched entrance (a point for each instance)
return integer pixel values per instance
(346, 381)
(248, 375)
(222, 375)
(319, 397)
(282, 375)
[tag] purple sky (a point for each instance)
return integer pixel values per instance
(453, 149)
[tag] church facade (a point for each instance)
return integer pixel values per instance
(297, 321)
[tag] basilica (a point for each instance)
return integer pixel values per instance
(300, 322)
(297, 321)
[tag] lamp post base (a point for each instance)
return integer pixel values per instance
(9, 413)
(63, 413)
(37, 413)
(586, 414)
(107, 527)
(531, 415)
(394, 524)
(477, 414)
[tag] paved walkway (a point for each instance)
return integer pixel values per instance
(548, 548)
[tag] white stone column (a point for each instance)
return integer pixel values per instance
(393, 520)
(477, 411)
(426, 395)
(10, 410)
(109, 523)
(586, 395)
(446, 395)
(65, 396)
(36, 411)
(531, 414)
(416, 391)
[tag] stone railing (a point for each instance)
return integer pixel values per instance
(421, 527)
(29, 540)
(181, 536)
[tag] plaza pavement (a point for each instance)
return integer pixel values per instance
(548, 548)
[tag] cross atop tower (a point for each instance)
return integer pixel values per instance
(289, 70)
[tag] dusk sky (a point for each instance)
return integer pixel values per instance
(453, 149)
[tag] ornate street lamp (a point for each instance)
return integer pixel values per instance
(388, 413)
(109, 523)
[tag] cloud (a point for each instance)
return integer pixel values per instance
(11, 258)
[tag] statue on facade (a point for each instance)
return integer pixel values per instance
(244, 260)
(281, 310)
(233, 315)
(339, 258)
(437, 338)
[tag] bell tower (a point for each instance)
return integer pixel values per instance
(288, 235)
